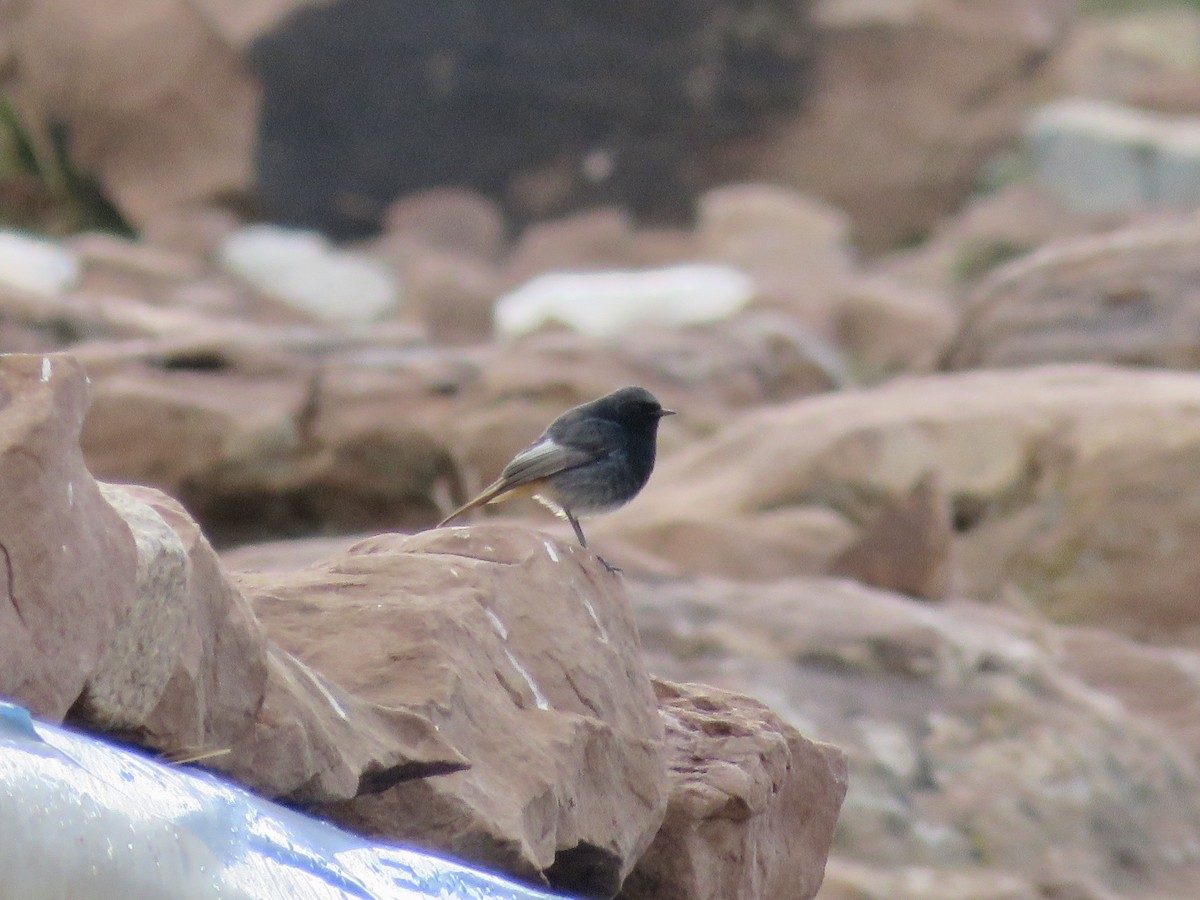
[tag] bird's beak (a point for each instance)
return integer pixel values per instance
(665, 412)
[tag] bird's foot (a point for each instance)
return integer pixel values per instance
(615, 570)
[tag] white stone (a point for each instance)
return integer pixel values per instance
(302, 269)
(35, 265)
(604, 304)
(1099, 157)
(867, 13)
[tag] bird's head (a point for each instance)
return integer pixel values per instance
(636, 404)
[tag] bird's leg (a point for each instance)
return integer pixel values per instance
(578, 531)
(583, 541)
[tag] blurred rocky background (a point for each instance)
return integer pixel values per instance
(920, 277)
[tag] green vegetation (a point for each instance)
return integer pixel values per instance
(40, 188)
(1118, 7)
(975, 259)
(1003, 170)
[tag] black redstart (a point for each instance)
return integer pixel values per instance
(591, 459)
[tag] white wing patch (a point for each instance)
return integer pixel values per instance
(541, 460)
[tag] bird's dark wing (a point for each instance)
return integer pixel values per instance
(538, 461)
(541, 460)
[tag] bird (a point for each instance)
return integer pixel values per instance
(590, 460)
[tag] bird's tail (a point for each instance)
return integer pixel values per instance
(490, 493)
